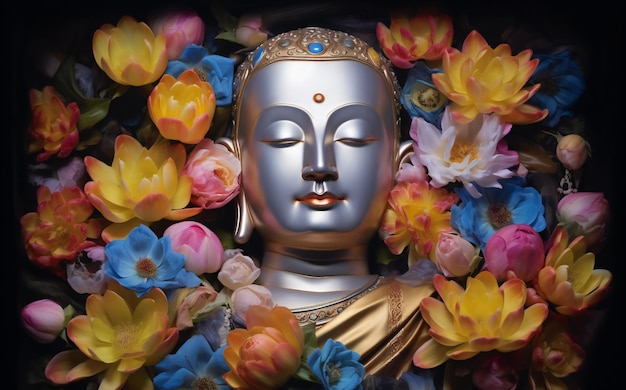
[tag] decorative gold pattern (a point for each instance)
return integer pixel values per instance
(395, 315)
(314, 44)
(321, 315)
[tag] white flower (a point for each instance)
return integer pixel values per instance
(467, 153)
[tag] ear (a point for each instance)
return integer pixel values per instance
(226, 141)
(404, 152)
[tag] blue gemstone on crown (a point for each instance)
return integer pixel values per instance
(257, 56)
(315, 47)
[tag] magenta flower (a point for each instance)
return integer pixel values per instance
(202, 248)
(44, 320)
(514, 251)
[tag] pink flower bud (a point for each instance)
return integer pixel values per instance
(190, 302)
(588, 210)
(454, 255)
(250, 32)
(250, 295)
(572, 151)
(202, 248)
(238, 271)
(43, 319)
(514, 251)
(180, 28)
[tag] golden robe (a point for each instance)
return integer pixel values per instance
(384, 326)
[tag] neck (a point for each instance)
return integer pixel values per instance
(301, 279)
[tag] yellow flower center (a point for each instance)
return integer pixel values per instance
(461, 149)
(204, 383)
(427, 98)
(126, 337)
(146, 268)
(499, 215)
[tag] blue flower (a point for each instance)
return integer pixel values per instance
(336, 366)
(142, 261)
(478, 218)
(194, 366)
(215, 69)
(562, 84)
(419, 95)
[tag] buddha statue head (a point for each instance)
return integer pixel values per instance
(316, 128)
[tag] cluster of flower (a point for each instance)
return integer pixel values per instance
(125, 163)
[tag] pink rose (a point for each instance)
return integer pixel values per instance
(181, 28)
(455, 256)
(215, 173)
(190, 302)
(514, 251)
(238, 271)
(43, 320)
(246, 296)
(584, 213)
(202, 248)
(572, 151)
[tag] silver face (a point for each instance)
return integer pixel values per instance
(318, 142)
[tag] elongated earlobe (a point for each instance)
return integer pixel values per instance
(243, 224)
(405, 150)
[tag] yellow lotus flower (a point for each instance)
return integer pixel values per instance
(140, 187)
(483, 80)
(481, 318)
(408, 39)
(569, 279)
(416, 215)
(119, 335)
(53, 127)
(129, 53)
(182, 109)
(267, 353)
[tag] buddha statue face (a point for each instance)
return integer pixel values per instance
(318, 141)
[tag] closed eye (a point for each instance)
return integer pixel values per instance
(281, 143)
(357, 142)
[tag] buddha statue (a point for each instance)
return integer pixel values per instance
(316, 127)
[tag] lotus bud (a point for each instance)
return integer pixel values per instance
(202, 248)
(250, 295)
(44, 320)
(584, 213)
(572, 151)
(514, 251)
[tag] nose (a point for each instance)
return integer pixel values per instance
(320, 173)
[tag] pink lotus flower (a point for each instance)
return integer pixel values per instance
(53, 127)
(572, 151)
(202, 248)
(215, 172)
(455, 256)
(181, 28)
(251, 295)
(408, 39)
(514, 251)
(584, 213)
(44, 320)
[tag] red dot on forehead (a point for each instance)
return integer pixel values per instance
(318, 98)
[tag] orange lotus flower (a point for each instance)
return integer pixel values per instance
(425, 36)
(569, 279)
(267, 353)
(119, 336)
(129, 53)
(481, 318)
(53, 124)
(483, 80)
(182, 109)
(60, 229)
(416, 215)
(140, 186)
